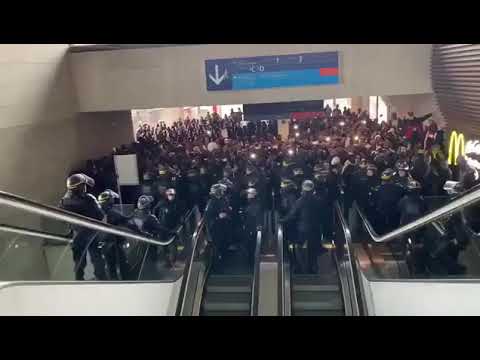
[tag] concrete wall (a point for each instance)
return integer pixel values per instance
(175, 76)
(100, 132)
(38, 142)
(41, 140)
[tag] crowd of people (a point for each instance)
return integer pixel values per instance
(235, 170)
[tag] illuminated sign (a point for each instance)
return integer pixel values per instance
(456, 148)
(472, 152)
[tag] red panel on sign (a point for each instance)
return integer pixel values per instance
(328, 72)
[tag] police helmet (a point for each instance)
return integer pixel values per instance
(107, 197)
(363, 164)
(371, 170)
(387, 174)
(249, 170)
(297, 171)
(226, 182)
(335, 161)
(162, 170)
(252, 183)
(192, 173)
(318, 167)
(321, 176)
(413, 185)
(251, 193)
(76, 181)
(308, 186)
(144, 202)
(287, 184)
(170, 192)
(218, 190)
(402, 165)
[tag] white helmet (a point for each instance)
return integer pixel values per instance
(335, 161)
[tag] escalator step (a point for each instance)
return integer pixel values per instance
(322, 279)
(315, 287)
(226, 313)
(229, 280)
(225, 301)
(228, 289)
(318, 313)
(317, 300)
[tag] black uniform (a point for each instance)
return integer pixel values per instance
(253, 219)
(308, 211)
(387, 199)
(170, 214)
(220, 229)
(148, 224)
(113, 250)
(83, 238)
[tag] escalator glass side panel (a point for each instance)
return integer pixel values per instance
(441, 250)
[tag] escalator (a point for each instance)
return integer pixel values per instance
(330, 292)
(231, 292)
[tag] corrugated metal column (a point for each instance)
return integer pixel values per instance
(455, 72)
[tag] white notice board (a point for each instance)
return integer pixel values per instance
(126, 168)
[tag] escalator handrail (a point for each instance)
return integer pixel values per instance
(353, 298)
(284, 302)
(448, 209)
(62, 238)
(71, 218)
(256, 276)
(188, 267)
(36, 233)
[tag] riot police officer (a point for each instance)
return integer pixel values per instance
(298, 176)
(218, 215)
(148, 224)
(162, 183)
(194, 188)
(253, 221)
(411, 207)
(79, 201)
(113, 245)
(387, 198)
(308, 211)
(170, 214)
(402, 177)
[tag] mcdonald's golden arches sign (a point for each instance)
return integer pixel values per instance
(456, 148)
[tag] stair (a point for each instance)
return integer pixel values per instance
(317, 295)
(227, 295)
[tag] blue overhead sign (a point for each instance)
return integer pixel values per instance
(265, 72)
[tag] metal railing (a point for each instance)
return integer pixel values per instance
(51, 212)
(284, 285)
(187, 294)
(345, 262)
(256, 276)
(456, 205)
(35, 233)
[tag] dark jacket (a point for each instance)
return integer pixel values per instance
(84, 204)
(308, 211)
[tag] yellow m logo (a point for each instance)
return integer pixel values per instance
(455, 148)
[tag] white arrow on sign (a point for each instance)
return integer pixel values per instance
(217, 80)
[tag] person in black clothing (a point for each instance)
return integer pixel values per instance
(148, 224)
(436, 176)
(170, 213)
(307, 211)
(113, 245)
(288, 197)
(387, 197)
(218, 215)
(253, 221)
(79, 201)
(402, 177)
